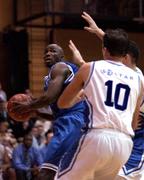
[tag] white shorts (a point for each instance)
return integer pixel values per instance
(102, 154)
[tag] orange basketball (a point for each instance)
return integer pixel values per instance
(18, 116)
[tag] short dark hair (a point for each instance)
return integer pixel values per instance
(133, 51)
(116, 41)
(48, 132)
(29, 134)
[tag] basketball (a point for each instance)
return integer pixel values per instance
(15, 115)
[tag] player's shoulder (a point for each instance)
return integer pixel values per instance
(96, 64)
(70, 64)
(99, 63)
(59, 66)
(140, 73)
(138, 70)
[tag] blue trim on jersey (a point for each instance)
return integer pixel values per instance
(115, 63)
(90, 73)
(90, 124)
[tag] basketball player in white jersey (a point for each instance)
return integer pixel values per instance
(113, 92)
(134, 167)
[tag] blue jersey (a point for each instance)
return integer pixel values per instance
(77, 107)
(68, 127)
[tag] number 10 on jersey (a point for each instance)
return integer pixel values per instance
(121, 93)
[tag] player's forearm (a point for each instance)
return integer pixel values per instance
(40, 102)
(77, 57)
(137, 110)
(100, 33)
(49, 117)
(135, 122)
(80, 63)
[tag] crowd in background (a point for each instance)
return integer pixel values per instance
(21, 144)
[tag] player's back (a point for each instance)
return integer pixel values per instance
(112, 90)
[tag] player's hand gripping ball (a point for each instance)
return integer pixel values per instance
(15, 115)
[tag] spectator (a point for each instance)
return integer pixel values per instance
(3, 94)
(10, 143)
(38, 134)
(21, 128)
(26, 159)
(3, 130)
(6, 172)
(48, 136)
(3, 109)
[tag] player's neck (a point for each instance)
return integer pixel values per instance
(115, 58)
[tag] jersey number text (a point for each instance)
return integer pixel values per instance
(121, 91)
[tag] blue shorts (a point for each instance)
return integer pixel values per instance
(69, 158)
(136, 159)
(67, 132)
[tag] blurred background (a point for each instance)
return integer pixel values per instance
(27, 26)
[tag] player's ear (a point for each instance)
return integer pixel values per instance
(62, 56)
(104, 49)
(127, 60)
(126, 56)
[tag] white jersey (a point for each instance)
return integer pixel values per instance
(112, 90)
(139, 71)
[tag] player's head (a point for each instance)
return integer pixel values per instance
(53, 54)
(133, 54)
(115, 42)
(48, 135)
(27, 140)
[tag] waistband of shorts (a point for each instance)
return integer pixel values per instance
(112, 131)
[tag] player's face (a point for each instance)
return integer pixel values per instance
(127, 61)
(28, 141)
(52, 55)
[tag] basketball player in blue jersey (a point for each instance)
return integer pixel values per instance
(113, 93)
(134, 168)
(69, 124)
